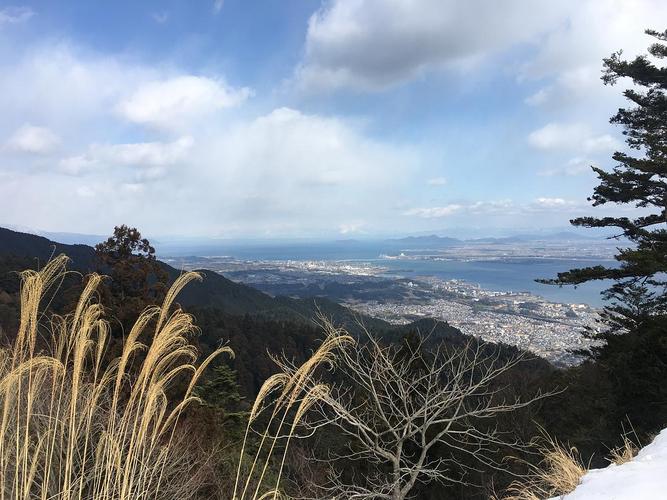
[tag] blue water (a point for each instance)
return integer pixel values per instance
(507, 275)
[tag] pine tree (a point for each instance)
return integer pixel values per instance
(137, 278)
(632, 354)
(220, 389)
(639, 179)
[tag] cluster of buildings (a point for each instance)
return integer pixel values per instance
(548, 329)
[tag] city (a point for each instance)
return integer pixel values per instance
(549, 329)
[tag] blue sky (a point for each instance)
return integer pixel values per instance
(293, 118)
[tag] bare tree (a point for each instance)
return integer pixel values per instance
(398, 404)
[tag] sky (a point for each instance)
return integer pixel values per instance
(300, 118)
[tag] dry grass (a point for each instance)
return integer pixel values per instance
(561, 469)
(624, 453)
(73, 429)
(559, 473)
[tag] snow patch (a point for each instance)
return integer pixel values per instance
(644, 477)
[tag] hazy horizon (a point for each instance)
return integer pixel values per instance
(459, 233)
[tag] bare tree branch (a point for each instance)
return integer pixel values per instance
(399, 402)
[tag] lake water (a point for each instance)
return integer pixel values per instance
(507, 275)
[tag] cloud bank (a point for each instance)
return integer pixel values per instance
(90, 138)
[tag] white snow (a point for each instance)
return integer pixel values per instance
(643, 478)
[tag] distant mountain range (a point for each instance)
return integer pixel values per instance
(430, 240)
(447, 241)
(173, 246)
(560, 236)
(61, 237)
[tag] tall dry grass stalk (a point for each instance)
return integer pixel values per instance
(284, 399)
(73, 428)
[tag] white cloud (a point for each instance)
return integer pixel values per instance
(160, 17)
(132, 187)
(571, 137)
(435, 212)
(600, 144)
(545, 203)
(145, 154)
(287, 165)
(574, 166)
(558, 136)
(567, 66)
(15, 15)
(86, 191)
(573, 85)
(150, 154)
(281, 172)
(375, 44)
(32, 139)
(65, 88)
(289, 147)
(218, 5)
(168, 103)
(351, 228)
(571, 52)
(75, 165)
(437, 181)
(503, 208)
(539, 97)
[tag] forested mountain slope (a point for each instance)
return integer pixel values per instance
(214, 291)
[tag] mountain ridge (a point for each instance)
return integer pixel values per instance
(214, 291)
